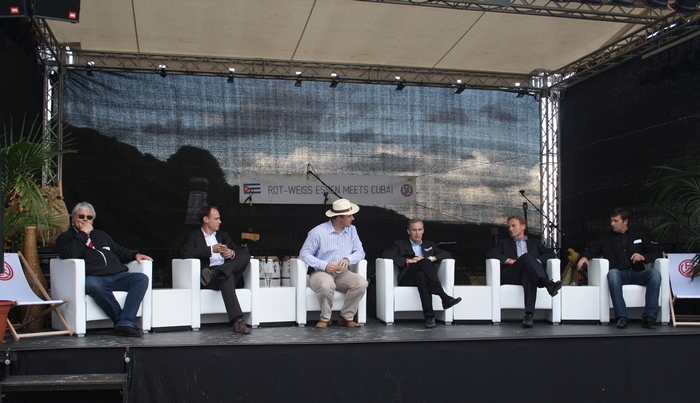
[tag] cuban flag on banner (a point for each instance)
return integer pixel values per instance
(251, 188)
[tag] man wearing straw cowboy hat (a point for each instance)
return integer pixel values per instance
(330, 248)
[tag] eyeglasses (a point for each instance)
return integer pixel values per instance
(83, 216)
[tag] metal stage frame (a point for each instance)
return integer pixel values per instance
(662, 29)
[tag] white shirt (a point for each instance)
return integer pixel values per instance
(216, 259)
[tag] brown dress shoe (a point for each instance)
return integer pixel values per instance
(322, 324)
(240, 327)
(349, 323)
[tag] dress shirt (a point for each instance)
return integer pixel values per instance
(216, 259)
(521, 246)
(417, 250)
(325, 245)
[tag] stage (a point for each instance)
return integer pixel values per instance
(375, 363)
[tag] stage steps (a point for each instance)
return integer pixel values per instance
(65, 382)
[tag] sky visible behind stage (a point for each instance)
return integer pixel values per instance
(471, 153)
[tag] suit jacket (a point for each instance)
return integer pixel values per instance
(402, 250)
(196, 246)
(609, 247)
(506, 249)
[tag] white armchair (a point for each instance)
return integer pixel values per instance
(307, 299)
(511, 296)
(208, 305)
(635, 294)
(403, 302)
(81, 312)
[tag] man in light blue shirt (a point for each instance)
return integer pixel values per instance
(330, 248)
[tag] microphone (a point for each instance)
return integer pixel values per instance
(524, 205)
(308, 171)
(522, 192)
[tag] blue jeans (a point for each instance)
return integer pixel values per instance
(100, 289)
(650, 278)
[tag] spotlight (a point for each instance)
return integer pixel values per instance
(162, 70)
(685, 6)
(298, 82)
(401, 83)
(624, 3)
(230, 75)
(334, 83)
(461, 89)
(88, 69)
(521, 94)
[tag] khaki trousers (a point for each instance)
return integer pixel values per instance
(325, 286)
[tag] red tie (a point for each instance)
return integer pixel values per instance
(89, 243)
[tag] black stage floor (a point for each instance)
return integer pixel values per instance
(377, 363)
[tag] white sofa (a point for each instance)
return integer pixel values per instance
(81, 312)
(403, 302)
(511, 296)
(307, 300)
(208, 305)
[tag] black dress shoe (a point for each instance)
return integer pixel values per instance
(553, 288)
(650, 322)
(127, 331)
(622, 322)
(527, 321)
(430, 323)
(451, 302)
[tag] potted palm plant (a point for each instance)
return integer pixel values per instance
(675, 193)
(25, 157)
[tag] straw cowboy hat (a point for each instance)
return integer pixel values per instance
(342, 207)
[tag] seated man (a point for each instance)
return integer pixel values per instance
(104, 268)
(626, 251)
(523, 261)
(415, 259)
(329, 249)
(223, 263)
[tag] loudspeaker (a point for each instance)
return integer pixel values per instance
(13, 8)
(62, 10)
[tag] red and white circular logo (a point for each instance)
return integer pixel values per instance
(406, 190)
(7, 273)
(685, 267)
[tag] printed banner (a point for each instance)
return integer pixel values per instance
(299, 189)
(680, 267)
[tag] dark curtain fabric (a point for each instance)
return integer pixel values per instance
(142, 139)
(614, 131)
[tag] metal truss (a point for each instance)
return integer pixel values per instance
(286, 70)
(663, 33)
(549, 163)
(52, 123)
(640, 13)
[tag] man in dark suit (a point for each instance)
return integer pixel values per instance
(415, 258)
(523, 261)
(223, 263)
(626, 251)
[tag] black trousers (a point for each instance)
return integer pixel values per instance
(528, 272)
(424, 276)
(228, 275)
